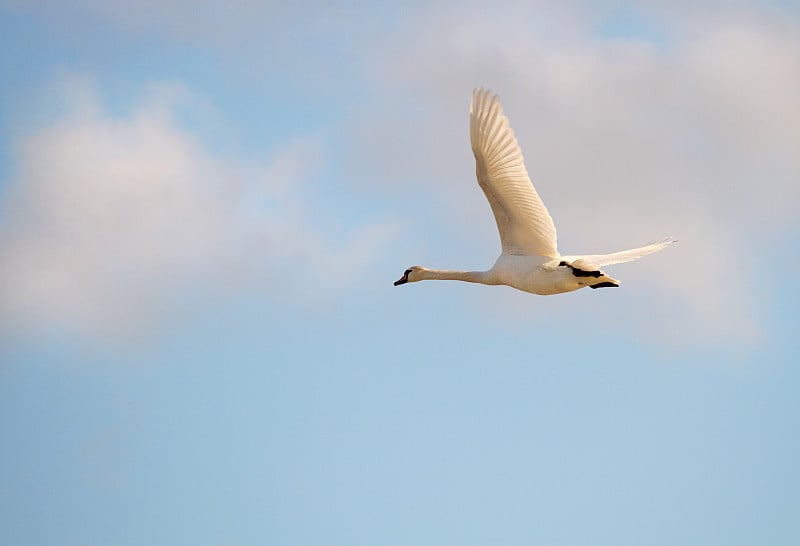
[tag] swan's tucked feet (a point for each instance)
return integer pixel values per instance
(604, 285)
(583, 269)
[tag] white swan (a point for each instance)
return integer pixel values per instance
(529, 260)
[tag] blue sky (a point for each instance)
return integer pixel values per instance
(202, 213)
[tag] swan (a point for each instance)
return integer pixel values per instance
(529, 260)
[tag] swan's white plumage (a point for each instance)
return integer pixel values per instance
(525, 226)
(529, 260)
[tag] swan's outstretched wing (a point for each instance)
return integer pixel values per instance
(524, 224)
(601, 260)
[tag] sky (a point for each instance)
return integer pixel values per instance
(203, 209)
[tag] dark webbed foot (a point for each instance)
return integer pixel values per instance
(604, 285)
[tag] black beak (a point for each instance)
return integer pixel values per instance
(402, 280)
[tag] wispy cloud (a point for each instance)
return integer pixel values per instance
(112, 222)
(674, 121)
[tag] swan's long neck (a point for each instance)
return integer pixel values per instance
(445, 275)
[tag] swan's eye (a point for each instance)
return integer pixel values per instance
(408, 271)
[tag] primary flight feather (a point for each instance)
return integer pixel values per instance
(529, 259)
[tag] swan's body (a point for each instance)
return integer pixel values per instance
(529, 260)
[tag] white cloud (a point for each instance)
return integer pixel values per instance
(688, 127)
(112, 222)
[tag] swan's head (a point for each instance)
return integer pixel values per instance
(412, 274)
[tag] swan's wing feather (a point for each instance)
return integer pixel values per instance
(601, 260)
(524, 224)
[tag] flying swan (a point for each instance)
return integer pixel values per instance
(529, 260)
